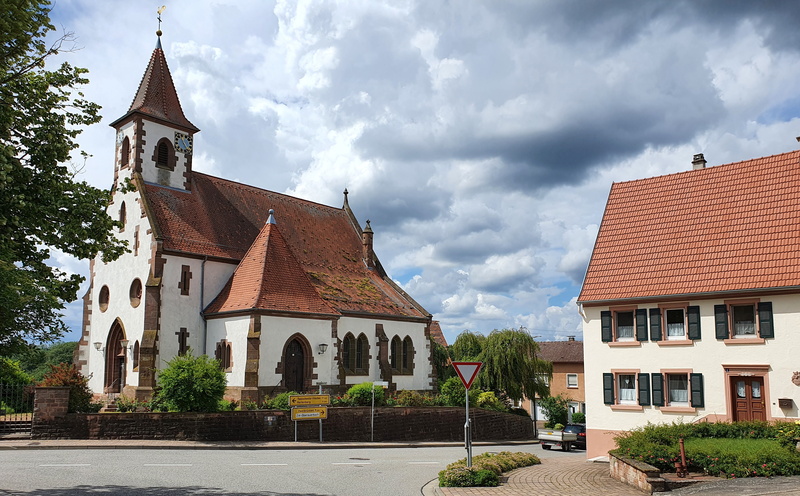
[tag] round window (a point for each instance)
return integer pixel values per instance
(103, 300)
(136, 293)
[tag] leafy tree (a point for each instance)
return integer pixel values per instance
(468, 346)
(42, 206)
(191, 384)
(452, 393)
(555, 408)
(80, 396)
(440, 357)
(11, 372)
(510, 364)
(37, 360)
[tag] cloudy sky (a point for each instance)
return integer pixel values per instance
(479, 137)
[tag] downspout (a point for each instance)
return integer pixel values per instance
(202, 293)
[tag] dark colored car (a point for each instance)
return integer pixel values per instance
(580, 430)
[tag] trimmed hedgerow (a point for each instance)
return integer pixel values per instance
(726, 449)
(485, 470)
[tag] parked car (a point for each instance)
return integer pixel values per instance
(559, 438)
(580, 430)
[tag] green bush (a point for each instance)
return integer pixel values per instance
(11, 372)
(452, 393)
(227, 405)
(486, 469)
(409, 398)
(279, 402)
(727, 449)
(489, 401)
(80, 396)
(361, 395)
(555, 408)
(125, 404)
(578, 418)
(191, 384)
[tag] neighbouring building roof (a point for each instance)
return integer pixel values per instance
(156, 96)
(437, 334)
(723, 229)
(221, 219)
(561, 351)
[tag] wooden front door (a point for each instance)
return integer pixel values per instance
(293, 377)
(748, 398)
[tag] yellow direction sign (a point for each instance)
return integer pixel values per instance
(309, 412)
(309, 399)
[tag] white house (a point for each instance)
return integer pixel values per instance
(691, 301)
(285, 292)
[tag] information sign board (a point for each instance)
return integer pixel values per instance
(309, 399)
(309, 413)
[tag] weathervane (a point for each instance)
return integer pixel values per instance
(162, 9)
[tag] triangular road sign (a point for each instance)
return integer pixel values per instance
(467, 371)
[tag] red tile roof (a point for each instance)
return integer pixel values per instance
(221, 219)
(270, 278)
(156, 96)
(561, 351)
(437, 334)
(729, 228)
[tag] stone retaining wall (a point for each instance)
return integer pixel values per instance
(342, 424)
(640, 475)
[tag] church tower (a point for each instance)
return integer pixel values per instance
(154, 138)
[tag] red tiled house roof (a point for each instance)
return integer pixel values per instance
(221, 219)
(726, 229)
(561, 351)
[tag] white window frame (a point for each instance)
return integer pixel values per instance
(668, 389)
(571, 385)
(628, 329)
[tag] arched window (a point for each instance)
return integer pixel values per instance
(103, 299)
(125, 154)
(408, 356)
(123, 215)
(164, 154)
(395, 349)
(136, 293)
(224, 355)
(348, 355)
(362, 355)
(136, 355)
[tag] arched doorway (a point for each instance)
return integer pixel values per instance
(115, 359)
(294, 366)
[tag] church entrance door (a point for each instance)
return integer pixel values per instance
(293, 377)
(115, 360)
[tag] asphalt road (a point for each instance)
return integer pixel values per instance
(351, 472)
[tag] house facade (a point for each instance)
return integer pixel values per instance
(286, 293)
(691, 302)
(568, 377)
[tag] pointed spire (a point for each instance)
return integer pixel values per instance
(345, 196)
(156, 96)
(271, 218)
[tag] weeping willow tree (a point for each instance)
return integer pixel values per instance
(511, 365)
(468, 346)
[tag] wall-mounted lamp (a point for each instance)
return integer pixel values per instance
(322, 348)
(124, 344)
(99, 347)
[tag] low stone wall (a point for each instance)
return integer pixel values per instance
(640, 475)
(342, 424)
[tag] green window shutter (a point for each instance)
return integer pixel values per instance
(765, 327)
(605, 326)
(641, 324)
(658, 389)
(655, 324)
(644, 389)
(693, 320)
(608, 389)
(696, 383)
(721, 321)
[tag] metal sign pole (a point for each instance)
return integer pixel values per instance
(295, 431)
(468, 434)
(320, 420)
(372, 417)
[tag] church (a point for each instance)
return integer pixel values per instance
(286, 293)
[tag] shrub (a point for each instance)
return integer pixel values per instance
(80, 396)
(555, 409)
(741, 457)
(489, 401)
(361, 394)
(451, 393)
(578, 418)
(125, 404)
(191, 384)
(343, 400)
(409, 398)
(227, 405)
(11, 372)
(486, 469)
(279, 402)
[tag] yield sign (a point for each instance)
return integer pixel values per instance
(467, 371)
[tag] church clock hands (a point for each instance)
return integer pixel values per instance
(183, 143)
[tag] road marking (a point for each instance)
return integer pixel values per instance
(264, 464)
(351, 463)
(423, 463)
(167, 464)
(66, 465)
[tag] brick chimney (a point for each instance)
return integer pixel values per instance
(698, 161)
(366, 242)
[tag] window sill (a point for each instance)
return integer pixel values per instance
(678, 409)
(744, 341)
(623, 344)
(627, 407)
(676, 342)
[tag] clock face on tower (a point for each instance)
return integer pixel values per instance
(183, 143)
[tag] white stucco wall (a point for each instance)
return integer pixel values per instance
(706, 356)
(152, 174)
